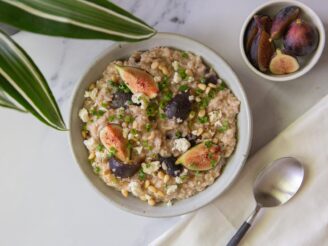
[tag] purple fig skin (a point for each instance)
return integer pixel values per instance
(282, 20)
(301, 38)
(252, 29)
(262, 51)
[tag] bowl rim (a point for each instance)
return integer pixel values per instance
(316, 56)
(248, 122)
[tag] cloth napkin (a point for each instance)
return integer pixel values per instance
(301, 221)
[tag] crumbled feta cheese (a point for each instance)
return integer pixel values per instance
(175, 65)
(191, 98)
(215, 117)
(176, 78)
(138, 149)
(171, 189)
(92, 94)
(191, 79)
(84, 116)
(179, 120)
(101, 155)
(169, 203)
(157, 78)
(140, 98)
(125, 132)
(135, 188)
(150, 167)
(178, 180)
(91, 144)
(181, 144)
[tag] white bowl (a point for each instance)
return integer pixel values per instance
(235, 163)
(271, 8)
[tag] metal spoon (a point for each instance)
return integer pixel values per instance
(274, 186)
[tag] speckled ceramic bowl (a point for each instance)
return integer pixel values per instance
(271, 8)
(235, 163)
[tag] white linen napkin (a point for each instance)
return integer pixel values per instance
(301, 221)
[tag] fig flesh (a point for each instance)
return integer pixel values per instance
(138, 81)
(252, 30)
(262, 50)
(121, 169)
(282, 20)
(301, 38)
(111, 136)
(200, 157)
(283, 63)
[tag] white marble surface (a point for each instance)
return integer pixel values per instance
(45, 199)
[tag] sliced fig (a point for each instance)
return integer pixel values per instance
(168, 164)
(301, 38)
(283, 63)
(252, 30)
(282, 20)
(262, 50)
(119, 99)
(111, 137)
(200, 157)
(179, 106)
(121, 169)
(138, 81)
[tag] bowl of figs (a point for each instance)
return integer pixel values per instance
(282, 40)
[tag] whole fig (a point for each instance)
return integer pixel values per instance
(301, 38)
(282, 20)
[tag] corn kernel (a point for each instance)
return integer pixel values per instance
(202, 87)
(125, 193)
(166, 178)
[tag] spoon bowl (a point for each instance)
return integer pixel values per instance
(278, 183)
(274, 186)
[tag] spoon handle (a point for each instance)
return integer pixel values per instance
(244, 228)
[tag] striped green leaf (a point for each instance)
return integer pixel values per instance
(92, 19)
(6, 102)
(23, 82)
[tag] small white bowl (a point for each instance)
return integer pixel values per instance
(271, 8)
(235, 163)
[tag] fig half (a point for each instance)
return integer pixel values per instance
(252, 30)
(262, 50)
(283, 63)
(111, 136)
(201, 157)
(138, 81)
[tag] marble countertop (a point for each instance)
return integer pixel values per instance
(46, 200)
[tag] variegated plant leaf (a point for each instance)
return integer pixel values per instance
(92, 19)
(22, 81)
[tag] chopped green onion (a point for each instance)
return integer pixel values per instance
(178, 134)
(199, 91)
(224, 127)
(213, 163)
(124, 88)
(148, 127)
(141, 174)
(183, 87)
(203, 80)
(208, 144)
(133, 131)
(164, 83)
(97, 170)
(112, 152)
(162, 116)
(128, 119)
(184, 54)
(152, 109)
(222, 86)
(111, 118)
(203, 120)
(182, 73)
(105, 105)
(100, 147)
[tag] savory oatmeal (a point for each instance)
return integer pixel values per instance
(159, 125)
